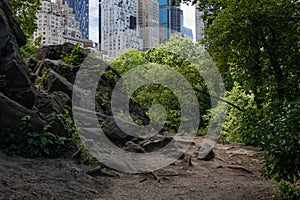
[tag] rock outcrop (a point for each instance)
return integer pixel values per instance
(42, 86)
(18, 96)
(11, 114)
(61, 76)
(18, 83)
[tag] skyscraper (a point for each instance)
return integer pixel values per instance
(170, 18)
(81, 10)
(199, 25)
(187, 33)
(176, 19)
(56, 22)
(87, 13)
(119, 29)
(148, 20)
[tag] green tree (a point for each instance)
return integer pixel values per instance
(31, 47)
(24, 11)
(256, 44)
(178, 54)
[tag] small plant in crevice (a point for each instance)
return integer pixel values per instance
(71, 131)
(44, 74)
(75, 57)
(29, 143)
(3, 82)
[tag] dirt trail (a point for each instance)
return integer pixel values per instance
(232, 174)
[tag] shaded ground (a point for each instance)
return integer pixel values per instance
(232, 174)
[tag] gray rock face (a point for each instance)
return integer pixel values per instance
(61, 78)
(12, 112)
(50, 106)
(205, 151)
(18, 95)
(31, 62)
(18, 85)
(156, 143)
(14, 26)
(56, 82)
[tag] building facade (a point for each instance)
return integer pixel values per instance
(81, 11)
(176, 21)
(57, 24)
(187, 33)
(148, 21)
(199, 25)
(170, 18)
(87, 13)
(119, 29)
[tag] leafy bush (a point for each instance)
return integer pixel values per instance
(274, 128)
(71, 130)
(235, 127)
(281, 142)
(287, 191)
(75, 57)
(32, 144)
(31, 47)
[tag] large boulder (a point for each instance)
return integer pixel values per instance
(18, 84)
(18, 96)
(55, 82)
(14, 26)
(12, 112)
(51, 108)
(56, 52)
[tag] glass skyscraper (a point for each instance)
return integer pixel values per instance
(170, 19)
(81, 10)
(87, 13)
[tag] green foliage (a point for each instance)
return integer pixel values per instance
(44, 74)
(182, 55)
(288, 191)
(128, 60)
(31, 47)
(3, 82)
(75, 57)
(24, 12)
(110, 77)
(32, 144)
(71, 130)
(282, 142)
(235, 127)
(256, 43)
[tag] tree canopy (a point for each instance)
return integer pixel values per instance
(255, 45)
(25, 14)
(169, 55)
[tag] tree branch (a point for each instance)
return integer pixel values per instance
(219, 98)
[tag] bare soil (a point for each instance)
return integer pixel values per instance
(232, 174)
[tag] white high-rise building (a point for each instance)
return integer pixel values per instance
(56, 22)
(199, 25)
(148, 20)
(119, 30)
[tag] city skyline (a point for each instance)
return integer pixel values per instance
(188, 17)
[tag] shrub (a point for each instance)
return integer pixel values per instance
(32, 144)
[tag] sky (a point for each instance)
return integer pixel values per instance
(189, 17)
(94, 20)
(188, 13)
